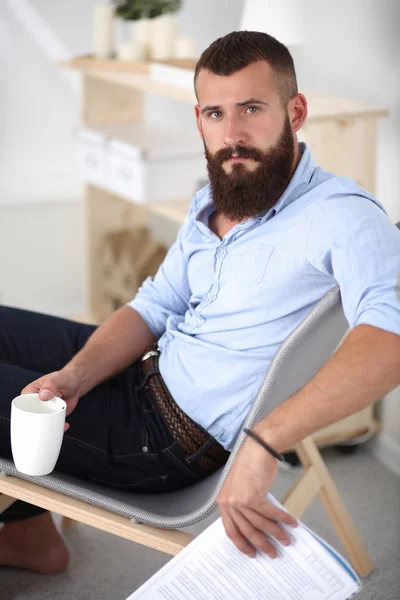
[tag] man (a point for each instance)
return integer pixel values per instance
(260, 246)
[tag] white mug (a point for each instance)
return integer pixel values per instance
(37, 430)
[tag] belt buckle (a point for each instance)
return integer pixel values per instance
(149, 354)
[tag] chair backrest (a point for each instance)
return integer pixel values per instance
(297, 360)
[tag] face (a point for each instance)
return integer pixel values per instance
(249, 138)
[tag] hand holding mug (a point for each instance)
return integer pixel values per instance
(63, 384)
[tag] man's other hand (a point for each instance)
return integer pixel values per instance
(246, 515)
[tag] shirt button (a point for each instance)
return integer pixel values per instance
(220, 251)
(145, 449)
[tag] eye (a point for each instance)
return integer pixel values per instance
(252, 109)
(216, 114)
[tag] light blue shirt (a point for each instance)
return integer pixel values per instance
(221, 308)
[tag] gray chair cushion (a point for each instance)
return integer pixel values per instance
(298, 358)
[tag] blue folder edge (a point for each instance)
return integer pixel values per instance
(336, 556)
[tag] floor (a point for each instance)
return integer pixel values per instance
(106, 567)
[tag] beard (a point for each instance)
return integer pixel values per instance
(243, 193)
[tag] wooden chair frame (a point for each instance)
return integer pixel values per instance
(315, 479)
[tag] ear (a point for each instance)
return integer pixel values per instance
(198, 119)
(297, 112)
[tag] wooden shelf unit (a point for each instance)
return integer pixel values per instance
(341, 133)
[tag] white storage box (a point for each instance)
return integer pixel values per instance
(149, 163)
(127, 174)
(92, 156)
(172, 75)
(142, 162)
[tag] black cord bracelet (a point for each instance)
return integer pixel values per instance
(266, 446)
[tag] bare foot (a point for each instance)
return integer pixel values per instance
(33, 544)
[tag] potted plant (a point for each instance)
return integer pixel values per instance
(152, 23)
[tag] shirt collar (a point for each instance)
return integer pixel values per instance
(300, 179)
(296, 188)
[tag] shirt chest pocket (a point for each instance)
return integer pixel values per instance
(250, 265)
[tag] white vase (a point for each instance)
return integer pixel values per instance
(122, 31)
(163, 35)
(141, 36)
(141, 30)
(132, 39)
(103, 16)
(132, 51)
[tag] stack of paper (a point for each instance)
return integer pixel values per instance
(212, 568)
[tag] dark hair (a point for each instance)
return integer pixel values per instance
(238, 49)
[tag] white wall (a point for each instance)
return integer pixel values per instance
(387, 445)
(38, 110)
(41, 237)
(42, 261)
(352, 50)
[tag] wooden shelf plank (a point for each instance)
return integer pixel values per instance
(137, 81)
(321, 107)
(87, 62)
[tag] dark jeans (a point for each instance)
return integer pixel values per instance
(116, 437)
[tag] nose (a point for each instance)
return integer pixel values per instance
(234, 133)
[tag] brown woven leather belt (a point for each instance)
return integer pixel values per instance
(200, 446)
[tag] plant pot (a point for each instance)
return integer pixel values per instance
(141, 30)
(133, 39)
(122, 31)
(163, 35)
(141, 36)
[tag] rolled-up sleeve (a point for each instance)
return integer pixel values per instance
(353, 240)
(168, 292)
